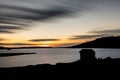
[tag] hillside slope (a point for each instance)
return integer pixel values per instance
(104, 42)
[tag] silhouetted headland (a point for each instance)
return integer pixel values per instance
(1, 47)
(14, 54)
(104, 42)
(10, 48)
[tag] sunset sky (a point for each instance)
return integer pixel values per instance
(57, 23)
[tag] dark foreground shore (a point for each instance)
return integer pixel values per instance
(35, 71)
(88, 64)
(100, 65)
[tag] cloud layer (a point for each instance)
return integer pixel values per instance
(106, 32)
(16, 44)
(21, 14)
(97, 34)
(1, 39)
(77, 37)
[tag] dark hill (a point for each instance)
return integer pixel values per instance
(2, 47)
(104, 42)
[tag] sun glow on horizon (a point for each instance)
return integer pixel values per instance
(60, 43)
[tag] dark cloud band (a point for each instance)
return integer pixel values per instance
(77, 37)
(5, 31)
(1, 39)
(96, 34)
(113, 31)
(38, 40)
(9, 27)
(15, 44)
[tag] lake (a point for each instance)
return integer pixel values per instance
(50, 55)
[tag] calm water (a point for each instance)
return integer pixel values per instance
(51, 56)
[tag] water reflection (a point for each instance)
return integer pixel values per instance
(51, 56)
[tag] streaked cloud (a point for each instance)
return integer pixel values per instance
(97, 34)
(5, 31)
(9, 29)
(77, 37)
(16, 44)
(1, 39)
(22, 14)
(42, 40)
(109, 31)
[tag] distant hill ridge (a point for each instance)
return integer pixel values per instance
(104, 42)
(2, 47)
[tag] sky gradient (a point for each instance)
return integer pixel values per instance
(57, 23)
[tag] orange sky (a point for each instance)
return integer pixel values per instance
(60, 27)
